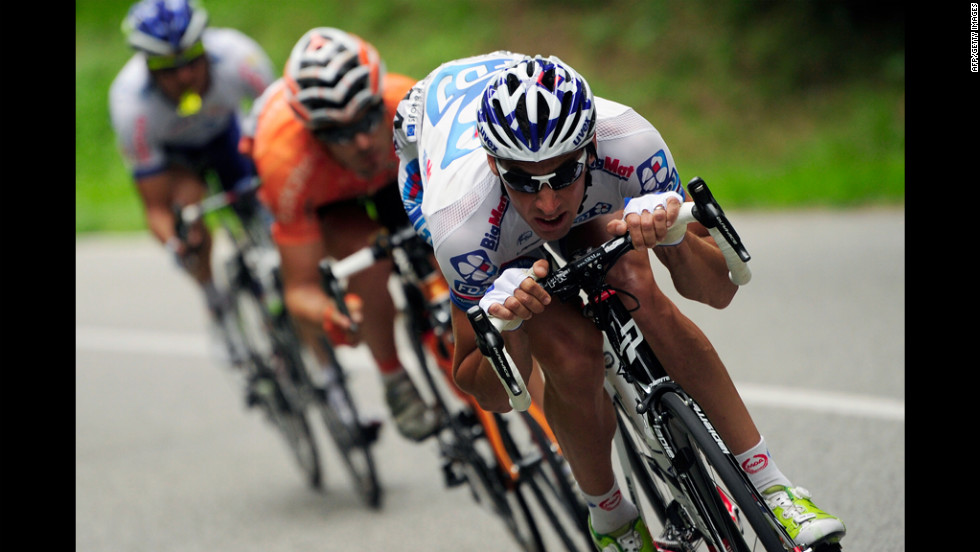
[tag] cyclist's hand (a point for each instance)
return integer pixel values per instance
(176, 247)
(649, 220)
(185, 255)
(338, 327)
(515, 295)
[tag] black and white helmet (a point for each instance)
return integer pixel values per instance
(331, 75)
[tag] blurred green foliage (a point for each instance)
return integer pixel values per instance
(775, 103)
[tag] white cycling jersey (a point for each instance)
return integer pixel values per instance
(460, 206)
(147, 123)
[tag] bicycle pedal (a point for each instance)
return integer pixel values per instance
(370, 431)
(252, 400)
(259, 390)
(665, 543)
(319, 393)
(825, 547)
(452, 478)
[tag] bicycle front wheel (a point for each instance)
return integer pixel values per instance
(733, 515)
(265, 383)
(293, 428)
(352, 438)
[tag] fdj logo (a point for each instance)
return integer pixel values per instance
(656, 174)
(475, 267)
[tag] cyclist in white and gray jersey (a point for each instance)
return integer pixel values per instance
(630, 159)
(176, 108)
(502, 153)
(151, 128)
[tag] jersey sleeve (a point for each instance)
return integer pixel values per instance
(141, 153)
(252, 65)
(407, 121)
(633, 152)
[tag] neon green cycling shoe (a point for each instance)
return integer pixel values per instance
(806, 523)
(632, 537)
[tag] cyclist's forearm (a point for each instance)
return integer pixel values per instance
(698, 270)
(160, 221)
(472, 372)
(475, 376)
(306, 304)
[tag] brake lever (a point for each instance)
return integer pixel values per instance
(707, 211)
(491, 344)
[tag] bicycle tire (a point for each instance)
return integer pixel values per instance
(352, 440)
(714, 474)
(468, 457)
(338, 412)
(548, 478)
(295, 430)
(511, 506)
(286, 416)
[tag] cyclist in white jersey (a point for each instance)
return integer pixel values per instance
(502, 153)
(176, 108)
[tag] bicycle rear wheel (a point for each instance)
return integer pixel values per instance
(733, 516)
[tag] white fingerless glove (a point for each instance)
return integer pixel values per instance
(650, 202)
(504, 287)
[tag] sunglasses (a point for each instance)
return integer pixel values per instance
(563, 177)
(345, 133)
(171, 63)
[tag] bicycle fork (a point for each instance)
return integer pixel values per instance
(635, 380)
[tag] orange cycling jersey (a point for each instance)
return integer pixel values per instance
(298, 173)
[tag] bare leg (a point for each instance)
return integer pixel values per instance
(578, 409)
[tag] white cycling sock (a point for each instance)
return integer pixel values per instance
(611, 510)
(761, 468)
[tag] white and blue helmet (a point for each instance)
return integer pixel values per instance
(536, 109)
(164, 27)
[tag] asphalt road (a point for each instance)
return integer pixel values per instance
(168, 459)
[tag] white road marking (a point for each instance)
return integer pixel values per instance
(135, 341)
(847, 404)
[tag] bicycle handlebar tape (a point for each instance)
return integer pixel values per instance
(491, 344)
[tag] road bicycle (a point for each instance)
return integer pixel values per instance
(282, 376)
(510, 462)
(677, 468)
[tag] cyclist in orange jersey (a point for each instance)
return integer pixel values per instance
(321, 139)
